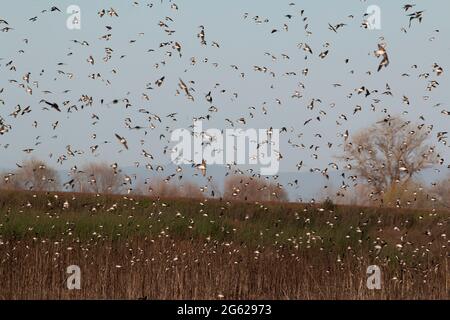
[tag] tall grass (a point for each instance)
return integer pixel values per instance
(129, 248)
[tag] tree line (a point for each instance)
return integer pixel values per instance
(382, 165)
(101, 178)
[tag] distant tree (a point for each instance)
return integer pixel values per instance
(359, 195)
(160, 188)
(191, 190)
(167, 189)
(32, 174)
(247, 188)
(442, 193)
(214, 190)
(389, 154)
(9, 181)
(99, 178)
(410, 195)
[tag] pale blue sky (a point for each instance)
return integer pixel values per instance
(243, 43)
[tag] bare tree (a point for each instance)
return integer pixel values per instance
(165, 189)
(34, 175)
(9, 181)
(411, 194)
(389, 153)
(99, 178)
(441, 193)
(214, 189)
(253, 189)
(191, 190)
(160, 188)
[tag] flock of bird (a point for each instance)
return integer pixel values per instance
(149, 122)
(144, 136)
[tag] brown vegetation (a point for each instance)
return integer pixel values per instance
(132, 247)
(245, 188)
(158, 187)
(168, 269)
(32, 174)
(442, 192)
